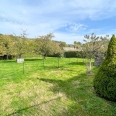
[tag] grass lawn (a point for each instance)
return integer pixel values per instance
(50, 89)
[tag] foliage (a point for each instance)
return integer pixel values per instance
(77, 44)
(6, 45)
(2, 47)
(74, 54)
(94, 46)
(80, 54)
(105, 79)
(12, 45)
(63, 44)
(45, 46)
(21, 44)
(18, 46)
(70, 54)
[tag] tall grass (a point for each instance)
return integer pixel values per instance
(50, 89)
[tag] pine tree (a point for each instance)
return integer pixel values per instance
(105, 79)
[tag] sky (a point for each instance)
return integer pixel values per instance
(68, 20)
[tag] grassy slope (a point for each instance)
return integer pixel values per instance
(49, 90)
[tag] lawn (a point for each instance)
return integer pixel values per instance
(38, 88)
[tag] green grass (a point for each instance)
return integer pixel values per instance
(50, 90)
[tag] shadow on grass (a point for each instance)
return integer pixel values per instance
(52, 67)
(34, 106)
(32, 59)
(79, 89)
(7, 61)
(77, 63)
(70, 87)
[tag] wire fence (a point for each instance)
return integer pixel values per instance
(26, 98)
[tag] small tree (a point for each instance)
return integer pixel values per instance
(77, 45)
(105, 79)
(92, 46)
(21, 44)
(63, 44)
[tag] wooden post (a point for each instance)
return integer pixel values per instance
(58, 62)
(23, 67)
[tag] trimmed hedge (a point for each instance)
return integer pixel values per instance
(53, 55)
(70, 54)
(4, 57)
(105, 79)
(74, 54)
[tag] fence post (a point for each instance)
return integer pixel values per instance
(58, 62)
(43, 63)
(23, 67)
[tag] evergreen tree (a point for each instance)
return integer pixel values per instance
(105, 79)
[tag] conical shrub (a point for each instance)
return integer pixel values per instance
(105, 79)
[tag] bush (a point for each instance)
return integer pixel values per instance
(81, 54)
(74, 54)
(55, 55)
(70, 54)
(105, 79)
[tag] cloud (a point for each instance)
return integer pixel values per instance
(39, 10)
(68, 38)
(67, 18)
(71, 27)
(99, 9)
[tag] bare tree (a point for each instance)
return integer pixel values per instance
(93, 45)
(21, 44)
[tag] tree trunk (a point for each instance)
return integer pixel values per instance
(89, 65)
(20, 55)
(44, 57)
(90, 62)
(7, 57)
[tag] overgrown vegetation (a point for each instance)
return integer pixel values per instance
(63, 91)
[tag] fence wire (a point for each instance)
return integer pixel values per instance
(24, 99)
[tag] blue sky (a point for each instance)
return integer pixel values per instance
(68, 20)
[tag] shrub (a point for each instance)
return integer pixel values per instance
(81, 54)
(70, 54)
(105, 79)
(74, 54)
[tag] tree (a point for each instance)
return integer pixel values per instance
(57, 50)
(30, 43)
(93, 46)
(105, 79)
(2, 48)
(6, 45)
(63, 44)
(21, 44)
(45, 46)
(77, 44)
